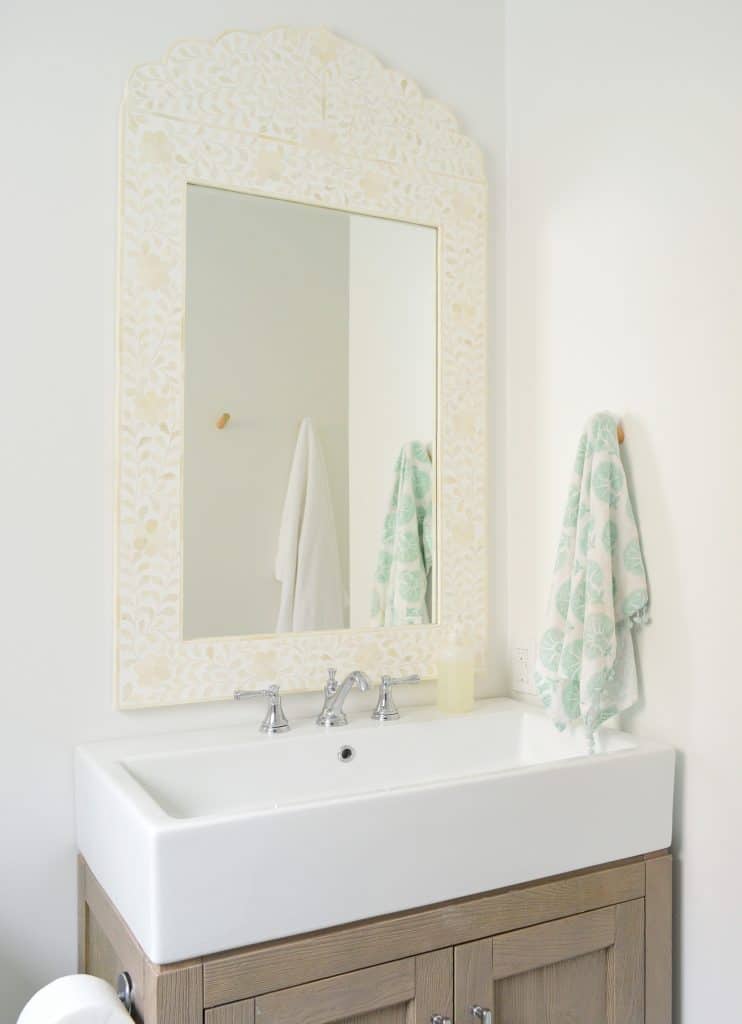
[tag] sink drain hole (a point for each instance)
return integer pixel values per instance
(346, 754)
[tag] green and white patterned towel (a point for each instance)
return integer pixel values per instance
(586, 668)
(400, 593)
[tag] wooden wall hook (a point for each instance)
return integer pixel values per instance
(225, 418)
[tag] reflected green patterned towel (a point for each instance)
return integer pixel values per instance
(400, 593)
(586, 669)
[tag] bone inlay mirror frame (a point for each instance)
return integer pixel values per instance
(296, 114)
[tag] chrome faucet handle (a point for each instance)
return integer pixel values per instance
(275, 720)
(332, 713)
(386, 710)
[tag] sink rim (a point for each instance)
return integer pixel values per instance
(111, 757)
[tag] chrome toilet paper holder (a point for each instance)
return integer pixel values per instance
(125, 990)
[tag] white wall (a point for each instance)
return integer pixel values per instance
(62, 72)
(266, 339)
(391, 377)
(624, 259)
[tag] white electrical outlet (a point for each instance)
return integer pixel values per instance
(522, 680)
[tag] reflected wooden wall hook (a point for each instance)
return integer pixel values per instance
(225, 418)
(620, 434)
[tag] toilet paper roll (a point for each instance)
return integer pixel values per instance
(76, 999)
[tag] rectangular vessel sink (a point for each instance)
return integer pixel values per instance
(210, 840)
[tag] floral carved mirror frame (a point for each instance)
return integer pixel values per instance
(296, 114)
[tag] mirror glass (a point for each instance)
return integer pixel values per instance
(309, 477)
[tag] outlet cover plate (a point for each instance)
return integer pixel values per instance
(522, 680)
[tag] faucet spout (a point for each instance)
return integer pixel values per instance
(335, 693)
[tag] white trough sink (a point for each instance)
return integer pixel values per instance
(210, 840)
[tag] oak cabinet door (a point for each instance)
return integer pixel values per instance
(408, 991)
(586, 969)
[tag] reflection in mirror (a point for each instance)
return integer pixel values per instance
(310, 418)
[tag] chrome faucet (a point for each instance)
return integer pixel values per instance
(275, 720)
(386, 709)
(335, 693)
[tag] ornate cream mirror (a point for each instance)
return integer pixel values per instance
(301, 378)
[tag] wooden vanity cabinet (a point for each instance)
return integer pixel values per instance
(592, 947)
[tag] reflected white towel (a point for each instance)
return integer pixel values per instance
(307, 560)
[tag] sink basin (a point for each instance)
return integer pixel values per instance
(210, 840)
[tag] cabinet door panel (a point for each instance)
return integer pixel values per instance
(244, 1013)
(586, 969)
(544, 944)
(408, 991)
(573, 990)
(391, 1015)
(232, 1013)
(347, 996)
